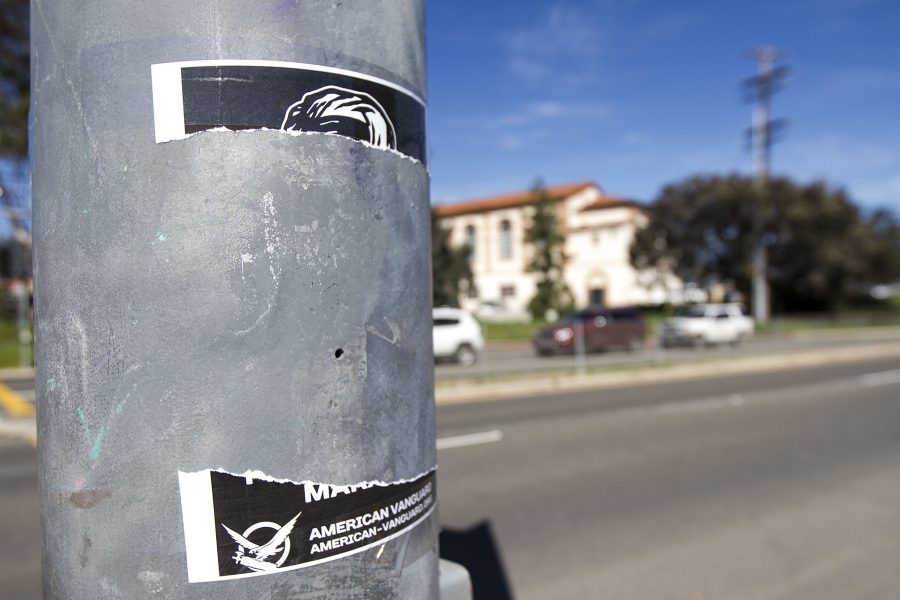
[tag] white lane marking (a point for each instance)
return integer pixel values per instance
(470, 439)
(737, 401)
(880, 378)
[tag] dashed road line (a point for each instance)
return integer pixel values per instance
(735, 401)
(880, 378)
(470, 439)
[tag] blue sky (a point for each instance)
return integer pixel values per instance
(634, 94)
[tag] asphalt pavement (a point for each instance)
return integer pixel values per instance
(759, 486)
(749, 487)
(20, 552)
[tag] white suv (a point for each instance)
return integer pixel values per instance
(457, 335)
(707, 324)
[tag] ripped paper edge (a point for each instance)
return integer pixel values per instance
(200, 524)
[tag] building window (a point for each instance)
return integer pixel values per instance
(508, 291)
(470, 241)
(505, 239)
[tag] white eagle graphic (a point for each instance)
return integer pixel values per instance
(253, 556)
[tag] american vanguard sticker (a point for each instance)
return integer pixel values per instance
(204, 95)
(245, 525)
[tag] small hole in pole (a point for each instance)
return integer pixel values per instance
(339, 353)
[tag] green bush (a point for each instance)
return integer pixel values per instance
(9, 344)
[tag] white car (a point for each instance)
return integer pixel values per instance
(457, 335)
(707, 324)
(497, 312)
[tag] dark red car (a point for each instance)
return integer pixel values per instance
(601, 328)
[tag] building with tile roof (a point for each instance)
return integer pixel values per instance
(598, 230)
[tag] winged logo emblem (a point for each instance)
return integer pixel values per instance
(256, 557)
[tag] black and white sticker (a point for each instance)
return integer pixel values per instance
(209, 95)
(251, 524)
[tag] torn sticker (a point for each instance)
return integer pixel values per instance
(232, 95)
(252, 524)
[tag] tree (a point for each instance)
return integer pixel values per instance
(549, 258)
(821, 248)
(14, 78)
(450, 266)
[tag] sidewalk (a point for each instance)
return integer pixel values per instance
(811, 333)
(474, 390)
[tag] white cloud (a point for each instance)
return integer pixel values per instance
(543, 111)
(565, 41)
(885, 192)
(869, 170)
(865, 80)
(539, 121)
(511, 141)
(522, 139)
(826, 154)
(636, 139)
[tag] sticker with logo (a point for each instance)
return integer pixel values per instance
(295, 98)
(252, 524)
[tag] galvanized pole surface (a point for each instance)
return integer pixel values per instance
(759, 260)
(233, 308)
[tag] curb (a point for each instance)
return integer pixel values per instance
(16, 373)
(568, 382)
(20, 429)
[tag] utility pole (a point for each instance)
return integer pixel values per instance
(761, 89)
(234, 364)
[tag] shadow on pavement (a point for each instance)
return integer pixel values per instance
(476, 550)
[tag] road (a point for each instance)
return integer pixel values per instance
(763, 487)
(20, 553)
(759, 487)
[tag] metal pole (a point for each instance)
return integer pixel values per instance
(579, 347)
(23, 325)
(484, 357)
(763, 85)
(234, 366)
(761, 174)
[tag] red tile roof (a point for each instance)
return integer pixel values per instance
(559, 192)
(608, 202)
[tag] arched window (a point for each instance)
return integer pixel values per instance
(505, 239)
(470, 241)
